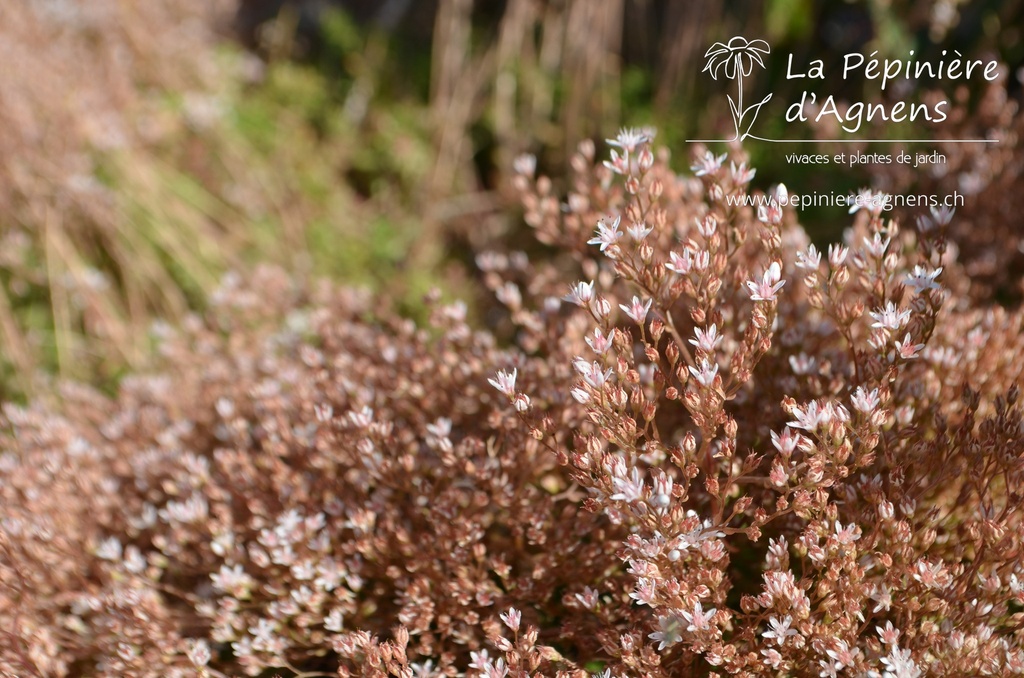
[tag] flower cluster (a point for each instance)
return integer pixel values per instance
(709, 448)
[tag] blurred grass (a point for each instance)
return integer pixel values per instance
(250, 162)
(142, 154)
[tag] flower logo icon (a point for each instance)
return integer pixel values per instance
(736, 60)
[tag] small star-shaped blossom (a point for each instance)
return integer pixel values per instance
(607, 234)
(922, 279)
(883, 599)
(707, 340)
(899, 664)
(741, 174)
(787, 442)
(637, 309)
(890, 317)
(580, 294)
(600, 342)
(699, 619)
(808, 418)
(706, 374)
(592, 372)
(907, 349)
(630, 488)
(511, 618)
(629, 138)
(847, 535)
(876, 246)
(709, 164)
(769, 285)
(810, 259)
(779, 629)
(619, 163)
(644, 592)
(669, 631)
(870, 200)
(837, 255)
(639, 231)
(888, 633)
(505, 382)
(580, 395)
(525, 164)
(680, 263)
(865, 401)
(707, 226)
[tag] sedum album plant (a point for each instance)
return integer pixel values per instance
(711, 448)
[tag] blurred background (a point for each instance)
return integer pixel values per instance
(148, 148)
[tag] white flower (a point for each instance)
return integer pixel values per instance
(334, 621)
(592, 372)
(768, 286)
(922, 279)
(639, 231)
(505, 382)
(837, 255)
(847, 535)
(807, 418)
(883, 599)
(876, 246)
(629, 138)
(600, 342)
(898, 664)
(707, 226)
(869, 200)
(735, 58)
(607, 234)
(779, 629)
(809, 260)
(525, 164)
(699, 619)
(637, 310)
(802, 363)
(709, 164)
(907, 349)
(510, 295)
(706, 374)
(580, 294)
(496, 670)
(890, 317)
(628, 489)
(889, 634)
(511, 618)
(580, 396)
(865, 401)
(479, 660)
(644, 592)
(787, 442)
(670, 630)
(772, 657)
(232, 580)
(109, 549)
(198, 652)
(742, 174)
(707, 340)
(619, 163)
(680, 263)
(588, 598)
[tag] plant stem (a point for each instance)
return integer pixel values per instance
(739, 97)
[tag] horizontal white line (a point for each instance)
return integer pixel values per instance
(851, 141)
